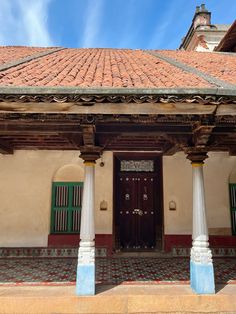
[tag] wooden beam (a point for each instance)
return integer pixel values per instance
(145, 129)
(74, 138)
(232, 151)
(226, 110)
(110, 108)
(26, 127)
(171, 149)
(5, 148)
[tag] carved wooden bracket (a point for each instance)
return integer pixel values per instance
(88, 153)
(174, 144)
(201, 135)
(88, 135)
(196, 155)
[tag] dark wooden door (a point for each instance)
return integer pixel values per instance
(136, 210)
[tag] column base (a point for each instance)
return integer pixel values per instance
(85, 280)
(202, 278)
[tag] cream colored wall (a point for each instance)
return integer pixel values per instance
(104, 192)
(177, 177)
(25, 193)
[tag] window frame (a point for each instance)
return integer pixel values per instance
(70, 208)
(232, 203)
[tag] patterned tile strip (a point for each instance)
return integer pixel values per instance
(100, 252)
(45, 252)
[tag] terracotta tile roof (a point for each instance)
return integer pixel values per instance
(13, 53)
(221, 66)
(99, 68)
(114, 68)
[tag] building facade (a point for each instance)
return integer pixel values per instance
(109, 145)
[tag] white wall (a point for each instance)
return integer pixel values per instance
(177, 177)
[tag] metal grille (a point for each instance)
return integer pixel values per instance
(137, 165)
(76, 220)
(77, 196)
(232, 193)
(62, 195)
(61, 220)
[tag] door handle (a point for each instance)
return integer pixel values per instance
(136, 210)
(140, 212)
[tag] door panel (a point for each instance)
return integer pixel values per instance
(146, 220)
(127, 200)
(136, 210)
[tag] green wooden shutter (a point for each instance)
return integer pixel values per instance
(232, 196)
(66, 207)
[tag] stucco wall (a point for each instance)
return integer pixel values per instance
(25, 193)
(177, 177)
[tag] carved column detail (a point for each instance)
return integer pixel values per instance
(201, 266)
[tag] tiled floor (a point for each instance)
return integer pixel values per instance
(61, 271)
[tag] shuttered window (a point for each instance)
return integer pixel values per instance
(66, 207)
(232, 194)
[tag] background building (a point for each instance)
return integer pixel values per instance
(202, 34)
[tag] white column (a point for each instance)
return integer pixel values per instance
(85, 280)
(201, 266)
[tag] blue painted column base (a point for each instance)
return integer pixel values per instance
(85, 280)
(202, 278)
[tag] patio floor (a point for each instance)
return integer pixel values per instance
(113, 271)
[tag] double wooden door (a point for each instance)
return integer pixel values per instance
(136, 210)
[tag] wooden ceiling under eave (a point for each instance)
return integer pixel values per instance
(207, 123)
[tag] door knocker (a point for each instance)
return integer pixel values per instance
(145, 196)
(127, 197)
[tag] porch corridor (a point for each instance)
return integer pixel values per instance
(113, 271)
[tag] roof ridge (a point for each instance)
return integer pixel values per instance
(189, 69)
(23, 60)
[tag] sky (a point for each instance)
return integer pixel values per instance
(144, 24)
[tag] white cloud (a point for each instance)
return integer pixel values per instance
(92, 24)
(24, 22)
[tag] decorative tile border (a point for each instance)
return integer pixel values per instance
(46, 252)
(216, 252)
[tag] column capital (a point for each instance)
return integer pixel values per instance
(197, 157)
(90, 154)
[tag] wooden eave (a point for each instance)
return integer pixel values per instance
(228, 42)
(163, 120)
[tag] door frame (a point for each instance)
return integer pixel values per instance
(157, 158)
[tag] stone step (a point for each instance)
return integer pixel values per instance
(116, 300)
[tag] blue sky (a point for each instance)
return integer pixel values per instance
(145, 24)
